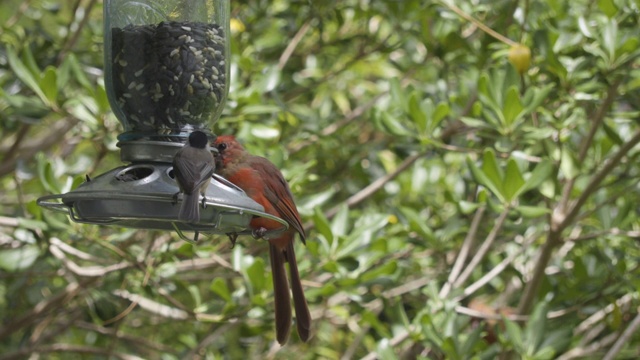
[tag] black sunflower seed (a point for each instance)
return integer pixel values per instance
(168, 75)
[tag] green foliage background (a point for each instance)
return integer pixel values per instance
(456, 209)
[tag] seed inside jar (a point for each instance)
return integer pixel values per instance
(169, 75)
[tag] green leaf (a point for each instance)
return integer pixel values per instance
(262, 131)
(397, 94)
(513, 181)
(471, 341)
(257, 275)
(322, 225)
(568, 164)
(538, 95)
(475, 123)
(219, 287)
(195, 294)
(450, 349)
(532, 212)
(610, 38)
(534, 331)
(25, 75)
(614, 319)
(17, 259)
(101, 99)
(79, 74)
(386, 269)
(417, 114)
(384, 350)
(514, 333)
(541, 173)
(46, 174)
(483, 179)
(546, 353)
(442, 110)
(512, 106)
(608, 7)
(340, 223)
(259, 109)
(467, 207)
(612, 134)
(49, 84)
(28, 106)
(392, 125)
(490, 167)
(418, 223)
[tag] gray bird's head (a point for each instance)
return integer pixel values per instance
(198, 139)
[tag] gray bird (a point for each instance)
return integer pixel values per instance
(193, 166)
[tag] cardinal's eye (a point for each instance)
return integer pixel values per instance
(222, 146)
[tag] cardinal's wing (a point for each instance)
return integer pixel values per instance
(278, 193)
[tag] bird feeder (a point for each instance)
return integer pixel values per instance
(166, 75)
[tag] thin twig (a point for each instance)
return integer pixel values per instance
(16, 16)
(370, 189)
(590, 349)
(624, 338)
(478, 23)
(288, 51)
(162, 348)
(586, 142)
(612, 231)
(89, 271)
(464, 252)
(43, 307)
(209, 339)
(601, 314)
(497, 270)
(395, 341)
(28, 149)
(531, 289)
(561, 218)
(74, 251)
(75, 35)
(489, 316)
(351, 350)
(378, 184)
(152, 306)
(334, 127)
(598, 178)
(67, 348)
(20, 135)
(484, 248)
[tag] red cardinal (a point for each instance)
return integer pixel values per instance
(264, 183)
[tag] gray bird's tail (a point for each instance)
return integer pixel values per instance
(190, 208)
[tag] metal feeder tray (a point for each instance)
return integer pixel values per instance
(141, 195)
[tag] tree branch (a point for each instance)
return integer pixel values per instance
(484, 248)
(531, 289)
(598, 178)
(29, 149)
(67, 348)
(598, 119)
(464, 252)
(44, 306)
(288, 51)
(495, 271)
(624, 338)
(478, 23)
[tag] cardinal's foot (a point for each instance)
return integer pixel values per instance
(259, 232)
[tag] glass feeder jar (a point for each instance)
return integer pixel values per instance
(166, 65)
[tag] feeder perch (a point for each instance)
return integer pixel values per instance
(166, 75)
